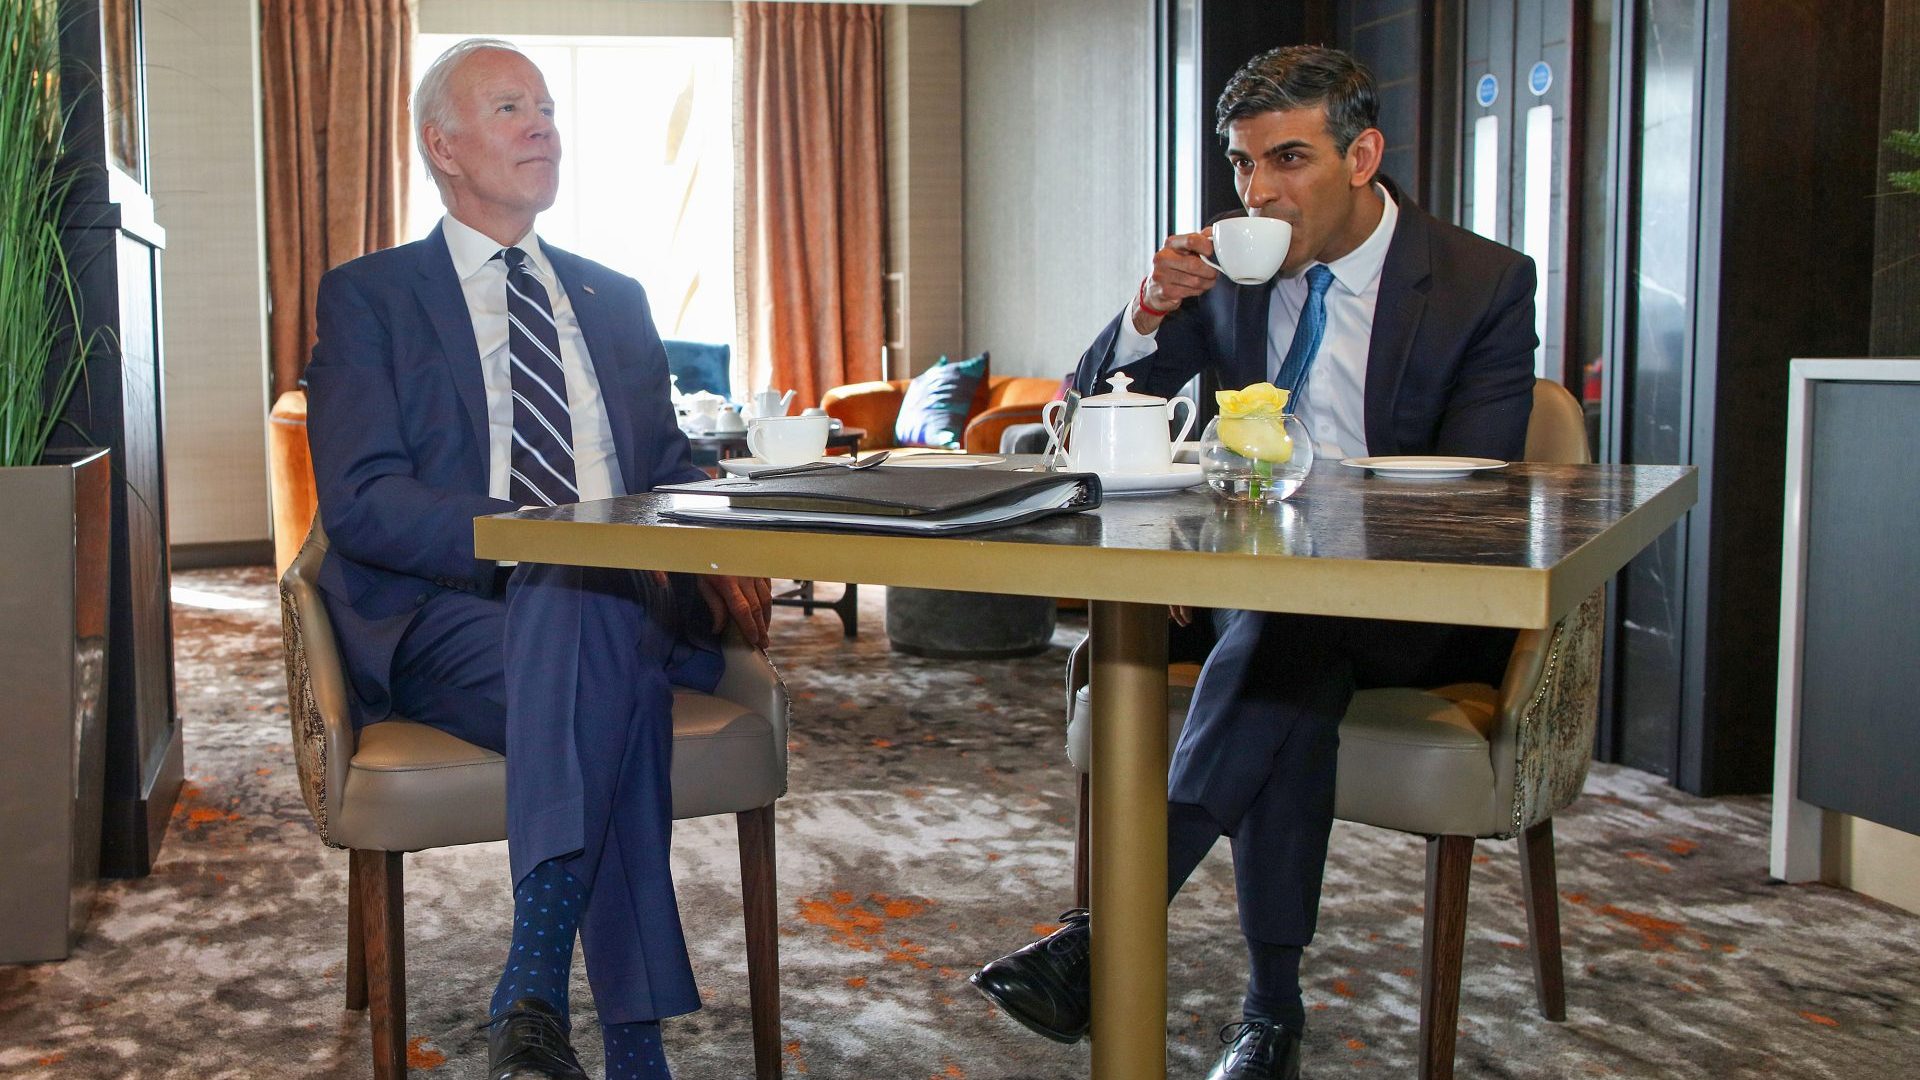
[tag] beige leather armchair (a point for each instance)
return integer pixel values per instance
(401, 786)
(1458, 764)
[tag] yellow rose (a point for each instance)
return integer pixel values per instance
(1262, 438)
(1260, 399)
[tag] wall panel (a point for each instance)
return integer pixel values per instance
(203, 87)
(1059, 174)
(925, 180)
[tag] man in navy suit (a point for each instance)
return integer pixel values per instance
(1397, 334)
(477, 372)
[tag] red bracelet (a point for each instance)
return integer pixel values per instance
(1141, 302)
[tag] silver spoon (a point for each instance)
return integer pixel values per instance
(850, 464)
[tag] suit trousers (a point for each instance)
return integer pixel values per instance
(570, 676)
(1262, 739)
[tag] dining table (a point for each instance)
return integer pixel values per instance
(1518, 546)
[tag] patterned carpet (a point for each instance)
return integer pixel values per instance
(927, 830)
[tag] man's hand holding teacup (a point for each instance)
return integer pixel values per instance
(1179, 273)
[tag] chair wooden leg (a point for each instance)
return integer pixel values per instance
(848, 608)
(1082, 870)
(1449, 861)
(757, 888)
(1543, 920)
(356, 941)
(382, 892)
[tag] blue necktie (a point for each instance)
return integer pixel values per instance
(540, 468)
(1306, 336)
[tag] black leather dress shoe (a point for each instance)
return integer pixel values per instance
(528, 1041)
(1046, 985)
(1258, 1050)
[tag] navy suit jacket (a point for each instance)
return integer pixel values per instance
(1450, 366)
(397, 423)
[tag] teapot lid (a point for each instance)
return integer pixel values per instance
(1120, 397)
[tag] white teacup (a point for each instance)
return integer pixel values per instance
(788, 440)
(1250, 249)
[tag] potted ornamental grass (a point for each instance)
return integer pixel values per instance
(54, 543)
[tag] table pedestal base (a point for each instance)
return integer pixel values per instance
(1129, 841)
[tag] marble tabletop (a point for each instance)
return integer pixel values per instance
(1517, 547)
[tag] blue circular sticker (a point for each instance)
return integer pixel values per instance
(1487, 91)
(1539, 78)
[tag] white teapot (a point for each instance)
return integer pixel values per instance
(703, 409)
(771, 403)
(1120, 433)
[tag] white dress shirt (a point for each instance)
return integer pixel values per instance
(483, 279)
(1333, 402)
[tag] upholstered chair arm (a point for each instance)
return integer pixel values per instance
(323, 735)
(873, 406)
(1079, 669)
(983, 431)
(290, 471)
(1542, 744)
(751, 682)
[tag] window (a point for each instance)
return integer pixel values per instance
(646, 177)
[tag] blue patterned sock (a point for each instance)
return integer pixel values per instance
(546, 918)
(634, 1051)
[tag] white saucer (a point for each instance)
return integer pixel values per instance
(1176, 477)
(943, 461)
(1423, 467)
(748, 466)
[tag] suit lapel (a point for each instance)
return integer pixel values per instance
(439, 293)
(585, 286)
(1396, 319)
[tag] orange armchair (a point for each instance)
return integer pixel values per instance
(291, 478)
(1001, 401)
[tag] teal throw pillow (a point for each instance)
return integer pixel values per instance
(934, 412)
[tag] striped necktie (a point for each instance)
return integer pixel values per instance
(1306, 336)
(540, 469)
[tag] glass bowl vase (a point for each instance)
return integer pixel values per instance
(1256, 459)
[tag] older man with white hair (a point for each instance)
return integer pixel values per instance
(476, 372)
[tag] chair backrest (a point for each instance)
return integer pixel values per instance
(1557, 426)
(1550, 697)
(699, 365)
(323, 735)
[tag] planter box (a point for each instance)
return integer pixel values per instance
(53, 664)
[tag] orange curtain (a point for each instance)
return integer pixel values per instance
(335, 77)
(813, 211)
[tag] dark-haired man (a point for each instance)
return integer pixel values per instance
(1398, 334)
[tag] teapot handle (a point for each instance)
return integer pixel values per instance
(1186, 428)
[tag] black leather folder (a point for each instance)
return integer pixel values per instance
(891, 499)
